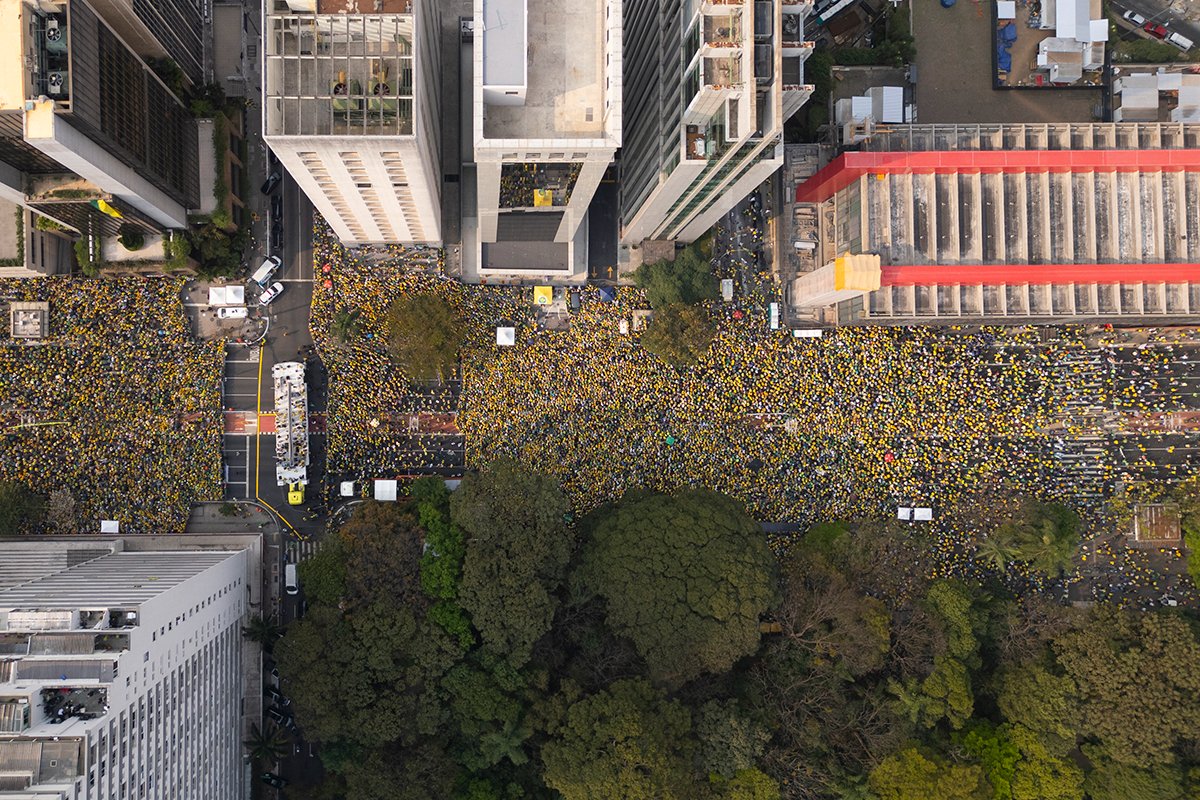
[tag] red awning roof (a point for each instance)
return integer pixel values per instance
(993, 274)
(848, 167)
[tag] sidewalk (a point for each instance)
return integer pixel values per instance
(207, 518)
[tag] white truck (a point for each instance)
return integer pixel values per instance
(1179, 40)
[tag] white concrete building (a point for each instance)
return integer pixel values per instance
(120, 671)
(547, 123)
(350, 107)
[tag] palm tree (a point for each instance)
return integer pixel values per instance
(345, 325)
(506, 742)
(995, 551)
(264, 630)
(269, 745)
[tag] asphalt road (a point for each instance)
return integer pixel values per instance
(1159, 13)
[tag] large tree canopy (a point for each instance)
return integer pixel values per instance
(20, 508)
(627, 742)
(687, 279)
(679, 334)
(425, 333)
(685, 576)
(516, 554)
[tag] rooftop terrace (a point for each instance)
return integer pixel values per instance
(565, 95)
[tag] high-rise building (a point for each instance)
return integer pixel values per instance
(1011, 223)
(120, 671)
(708, 87)
(351, 108)
(89, 135)
(547, 121)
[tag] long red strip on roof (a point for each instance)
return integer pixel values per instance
(849, 167)
(993, 274)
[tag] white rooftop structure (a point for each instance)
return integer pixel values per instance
(1147, 96)
(1079, 26)
(546, 120)
(386, 491)
(506, 336)
(231, 295)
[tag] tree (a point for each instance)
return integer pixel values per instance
(995, 552)
(1046, 535)
(441, 561)
(1040, 775)
(679, 334)
(60, 510)
(627, 742)
(945, 694)
(684, 576)
(345, 325)
(1110, 780)
(20, 508)
(747, 784)
(425, 333)
(992, 746)
(688, 279)
(516, 554)
(729, 739)
(1137, 681)
(268, 745)
(1042, 701)
(909, 775)
(489, 714)
(382, 545)
(323, 574)
(262, 630)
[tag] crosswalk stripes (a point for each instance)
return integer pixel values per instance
(299, 551)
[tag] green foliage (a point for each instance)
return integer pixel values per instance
(21, 509)
(220, 145)
(46, 224)
(686, 280)
(424, 334)
(178, 249)
(323, 575)
(131, 238)
(516, 554)
(218, 250)
(685, 577)
(88, 256)
(679, 334)
(945, 694)
(1040, 775)
(1032, 696)
(262, 630)
(952, 603)
(268, 745)
(489, 716)
(346, 325)
(1046, 535)
(824, 538)
(729, 740)
(747, 784)
(19, 259)
(441, 563)
(1146, 51)
(382, 545)
(627, 742)
(909, 775)
(1137, 681)
(996, 753)
(1191, 541)
(1110, 780)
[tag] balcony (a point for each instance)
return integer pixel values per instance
(723, 32)
(62, 704)
(696, 143)
(723, 73)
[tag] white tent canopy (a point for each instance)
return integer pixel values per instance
(234, 295)
(385, 491)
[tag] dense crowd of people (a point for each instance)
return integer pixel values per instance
(120, 405)
(857, 423)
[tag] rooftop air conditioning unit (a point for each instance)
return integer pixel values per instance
(56, 84)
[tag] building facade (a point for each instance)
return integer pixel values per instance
(90, 136)
(351, 108)
(547, 123)
(120, 671)
(709, 85)
(1007, 223)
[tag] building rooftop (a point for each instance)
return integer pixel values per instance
(340, 74)
(565, 69)
(116, 579)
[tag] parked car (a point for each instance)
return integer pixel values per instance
(1182, 42)
(1157, 30)
(277, 207)
(270, 294)
(272, 182)
(277, 697)
(231, 312)
(1134, 18)
(272, 779)
(279, 715)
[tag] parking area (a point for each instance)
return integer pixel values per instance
(954, 73)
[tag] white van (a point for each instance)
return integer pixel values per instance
(1182, 42)
(269, 267)
(291, 583)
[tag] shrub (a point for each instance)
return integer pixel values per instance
(131, 238)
